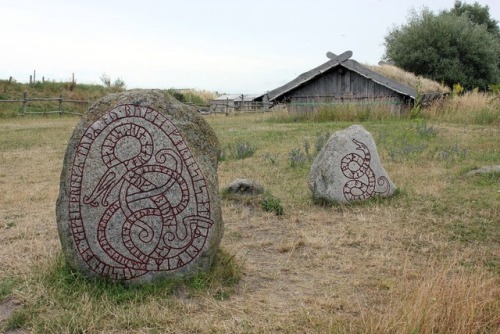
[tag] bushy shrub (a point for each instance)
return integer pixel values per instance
(297, 158)
(238, 151)
(272, 204)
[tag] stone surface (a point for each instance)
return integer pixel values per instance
(348, 169)
(244, 187)
(139, 196)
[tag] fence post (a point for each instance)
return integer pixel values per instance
(60, 104)
(25, 102)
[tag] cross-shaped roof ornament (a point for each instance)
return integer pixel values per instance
(340, 58)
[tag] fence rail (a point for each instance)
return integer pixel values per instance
(230, 107)
(26, 103)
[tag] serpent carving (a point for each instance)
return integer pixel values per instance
(151, 200)
(362, 180)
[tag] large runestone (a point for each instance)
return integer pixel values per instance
(139, 195)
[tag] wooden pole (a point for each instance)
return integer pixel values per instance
(25, 102)
(60, 104)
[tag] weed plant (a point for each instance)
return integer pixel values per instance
(451, 154)
(297, 158)
(425, 131)
(238, 151)
(321, 139)
(272, 204)
(300, 157)
(271, 158)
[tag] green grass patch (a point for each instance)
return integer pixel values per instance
(471, 232)
(487, 179)
(61, 300)
(7, 286)
(272, 204)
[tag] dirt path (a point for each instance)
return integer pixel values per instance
(7, 307)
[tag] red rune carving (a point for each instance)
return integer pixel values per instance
(148, 209)
(355, 167)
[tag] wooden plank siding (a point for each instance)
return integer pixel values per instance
(341, 80)
(340, 85)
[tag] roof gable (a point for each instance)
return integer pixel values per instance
(342, 60)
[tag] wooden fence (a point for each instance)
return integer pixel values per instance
(232, 107)
(26, 102)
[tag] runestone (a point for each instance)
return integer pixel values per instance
(137, 200)
(348, 169)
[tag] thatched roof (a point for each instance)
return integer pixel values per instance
(423, 85)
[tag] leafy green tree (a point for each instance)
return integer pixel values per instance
(447, 48)
(477, 14)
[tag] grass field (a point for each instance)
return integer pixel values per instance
(424, 261)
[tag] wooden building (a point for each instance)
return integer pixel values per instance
(341, 80)
(236, 102)
(223, 103)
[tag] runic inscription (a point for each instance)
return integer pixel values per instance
(356, 168)
(138, 201)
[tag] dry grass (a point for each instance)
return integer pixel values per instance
(423, 85)
(469, 108)
(443, 301)
(205, 95)
(425, 261)
(318, 111)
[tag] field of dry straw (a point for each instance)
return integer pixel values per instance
(424, 261)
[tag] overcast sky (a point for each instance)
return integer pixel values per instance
(228, 46)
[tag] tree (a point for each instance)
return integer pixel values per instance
(447, 48)
(106, 80)
(477, 14)
(118, 85)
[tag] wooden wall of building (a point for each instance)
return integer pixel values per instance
(342, 82)
(341, 85)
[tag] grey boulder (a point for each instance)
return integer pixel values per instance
(139, 196)
(348, 169)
